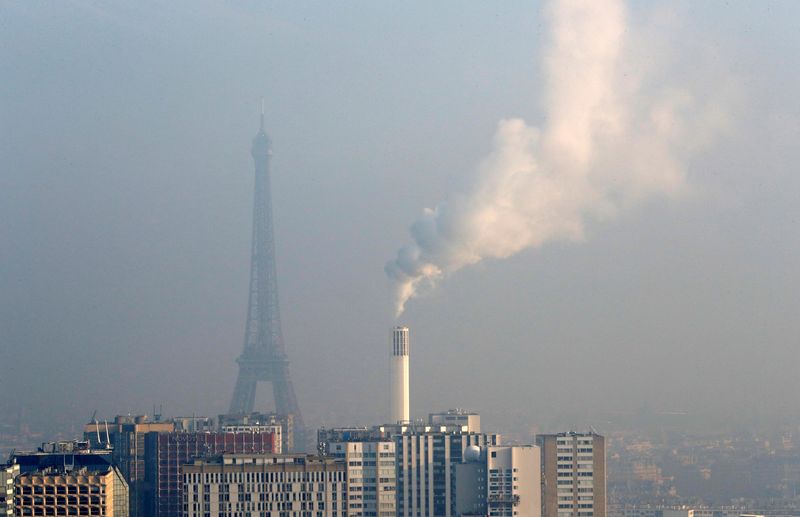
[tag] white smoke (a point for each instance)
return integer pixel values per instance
(612, 138)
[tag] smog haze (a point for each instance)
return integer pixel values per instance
(126, 191)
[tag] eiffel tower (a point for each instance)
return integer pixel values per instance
(264, 357)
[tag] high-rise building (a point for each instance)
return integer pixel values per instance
(66, 491)
(574, 474)
(371, 476)
(468, 420)
(371, 459)
(127, 438)
(399, 406)
(264, 356)
(287, 485)
(166, 453)
(426, 458)
(7, 475)
(500, 481)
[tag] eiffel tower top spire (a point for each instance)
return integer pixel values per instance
(262, 146)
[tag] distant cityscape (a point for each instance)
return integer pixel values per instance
(245, 463)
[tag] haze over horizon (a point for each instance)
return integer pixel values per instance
(126, 191)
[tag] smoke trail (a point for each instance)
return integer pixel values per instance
(608, 143)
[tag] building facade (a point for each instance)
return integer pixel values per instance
(126, 435)
(574, 474)
(371, 476)
(166, 453)
(272, 485)
(71, 492)
(426, 458)
(257, 422)
(499, 481)
(468, 421)
(326, 437)
(7, 475)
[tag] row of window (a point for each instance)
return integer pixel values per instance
(63, 489)
(60, 500)
(272, 477)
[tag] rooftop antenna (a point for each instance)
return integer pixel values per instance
(108, 439)
(97, 429)
(262, 114)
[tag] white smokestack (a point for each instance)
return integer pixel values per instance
(398, 377)
(613, 136)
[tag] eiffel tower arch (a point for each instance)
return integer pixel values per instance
(263, 358)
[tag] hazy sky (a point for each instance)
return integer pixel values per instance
(126, 191)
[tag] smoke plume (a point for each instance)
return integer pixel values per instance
(614, 135)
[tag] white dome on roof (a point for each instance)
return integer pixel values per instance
(472, 453)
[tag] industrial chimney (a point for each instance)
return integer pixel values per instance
(398, 377)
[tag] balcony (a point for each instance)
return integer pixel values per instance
(503, 499)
